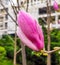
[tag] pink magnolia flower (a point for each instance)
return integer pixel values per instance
(29, 31)
(55, 5)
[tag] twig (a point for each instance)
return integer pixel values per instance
(8, 13)
(14, 5)
(14, 10)
(44, 20)
(18, 4)
(27, 6)
(18, 51)
(52, 51)
(14, 42)
(10, 38)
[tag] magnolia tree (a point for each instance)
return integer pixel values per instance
(29, 31)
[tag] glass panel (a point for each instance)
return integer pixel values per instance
(1, 26)
(5, 25)
(42, 10)
(1, 19)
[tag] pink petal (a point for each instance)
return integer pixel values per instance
(40, 32)
(55, 5)
(41, 36)
(38, 38)
(25, 40)
(27, 24)
(31, 31)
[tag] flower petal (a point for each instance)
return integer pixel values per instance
(55, 5)
(25, 40)
(30, 31)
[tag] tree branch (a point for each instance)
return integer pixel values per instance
(23, 54)
(18, 51)
(10, 38)
(27, 6)
(15, 45)
(44, 20)
(18, 4)
(52, 51)
(8, 13)
(14, 10)
(14, 5)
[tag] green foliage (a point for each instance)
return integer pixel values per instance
(55, 35)
(2, 53)
(6, 62)
(7, 42)
(2, 50)
(36, 53)
(55, 38)
(8, 45)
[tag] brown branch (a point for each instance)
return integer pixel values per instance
(48, 31)
(52, 51)
(14, 10)
(18, 4)
(44, 20)
(27, 6)
(14, 42)
(18, 51)
(23, 54)
(10, 38)
(14, 5)
(15, 45)
(7, 12)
